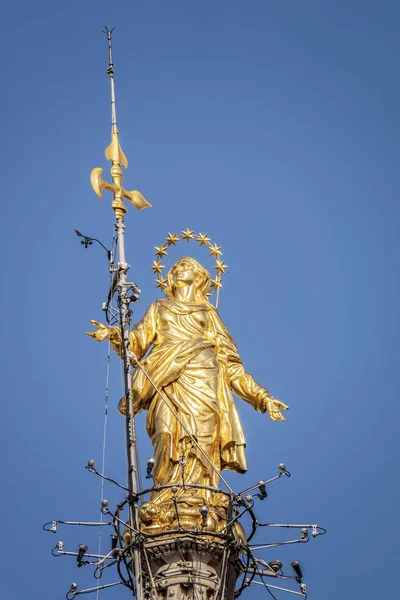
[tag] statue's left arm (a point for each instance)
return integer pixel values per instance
(245, 386)
(243, 383)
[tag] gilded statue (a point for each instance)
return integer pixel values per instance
(186, 350)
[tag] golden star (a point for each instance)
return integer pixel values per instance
(172, 238)
(202, 239)
(157, 267)
(188, 234)
(215, 250)
(161, 283)
(221, 266)
(215, 283)
(161, 250)
(208, 294)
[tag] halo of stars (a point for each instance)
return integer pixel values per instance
(189, 235)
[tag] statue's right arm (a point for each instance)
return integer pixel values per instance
(140, 338)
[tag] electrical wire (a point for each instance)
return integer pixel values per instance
(122, 541)
(106, 401)
(260, 575)
(267, 588)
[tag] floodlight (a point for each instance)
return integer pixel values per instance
(296, 567)
(150, 466)
(82, 548)
(204, 510)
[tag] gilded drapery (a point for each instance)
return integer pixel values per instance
(195, 363)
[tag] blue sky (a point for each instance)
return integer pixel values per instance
(274, 127)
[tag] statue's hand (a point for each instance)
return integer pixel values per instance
(273, 407)
(102, 332)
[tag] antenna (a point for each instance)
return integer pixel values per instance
(110, 71)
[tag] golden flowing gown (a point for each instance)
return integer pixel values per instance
(195, 363)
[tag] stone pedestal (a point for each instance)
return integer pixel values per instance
(184, 567)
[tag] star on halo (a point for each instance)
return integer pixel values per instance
(161, 250)
(220, 266)
(188, 234)
(157, 267)
(215, 250)
(202, 239)
(161, 282)
(172, 238)
(215, 283)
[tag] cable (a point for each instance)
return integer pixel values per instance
(260, 575)
(138, 470)
(245, 572)
(92, 469)
(113, 245)
(122, 541)
(267, 588)
(104, 449)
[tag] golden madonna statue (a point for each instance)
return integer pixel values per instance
(188, 353)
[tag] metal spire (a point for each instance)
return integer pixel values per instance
(110, 71)
(118, 159)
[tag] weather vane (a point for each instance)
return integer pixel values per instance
(117, 156)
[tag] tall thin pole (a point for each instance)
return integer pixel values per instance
(118, 159)
(110, 71)
(130, 421)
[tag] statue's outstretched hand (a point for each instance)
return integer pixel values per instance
(273, 407)
(102, 332)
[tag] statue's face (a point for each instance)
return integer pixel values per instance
(183, 273)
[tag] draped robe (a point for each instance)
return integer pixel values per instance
(195, 364)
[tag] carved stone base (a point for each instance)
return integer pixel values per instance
(183, 567)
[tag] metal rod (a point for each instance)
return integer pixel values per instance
(289, 525)
(274, 545)
(99, 556)
(134, 358)
(254, 487)
(110, 71)
(83, 523)
(275, 587)
(123, 302)
(94, 589)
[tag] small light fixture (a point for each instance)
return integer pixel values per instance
(304, 534)
(263, 490)
(82, 548)
(296, 568)
(149, 469)
(114, 542)
(204, 510)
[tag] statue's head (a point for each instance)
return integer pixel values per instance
(187, 271)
